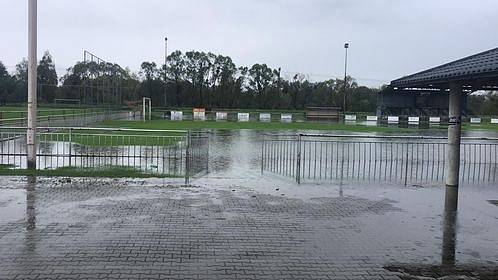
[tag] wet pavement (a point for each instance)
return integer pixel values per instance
(236, 223)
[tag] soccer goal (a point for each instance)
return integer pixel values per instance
(146, 109)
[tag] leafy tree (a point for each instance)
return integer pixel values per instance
(176, 71)
(21, 78)
(260, 79)
(47, 78)
(7, 85)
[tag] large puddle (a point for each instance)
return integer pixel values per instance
(388, 228)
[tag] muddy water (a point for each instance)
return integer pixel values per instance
(238, 154)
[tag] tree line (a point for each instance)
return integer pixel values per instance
(191, 79)
(197, 79)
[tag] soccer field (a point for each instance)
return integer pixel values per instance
(14, 112)
(279, 126)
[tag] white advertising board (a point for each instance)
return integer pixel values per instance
(350, 118)
(221, 116)
(414, 120)
(265, 117)
(392, 119)
(286, 118)
(434, 119)
(199, 114)
(243, 117)
(494, 121)
(176, 115)
(372, 118)
(475, 120)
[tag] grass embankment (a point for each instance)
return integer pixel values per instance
(185, 125)
(104, 172)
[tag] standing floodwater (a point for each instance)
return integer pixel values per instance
(407, 159)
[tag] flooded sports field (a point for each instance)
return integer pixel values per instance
(245, 220)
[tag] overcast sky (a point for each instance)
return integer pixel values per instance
(389, 38)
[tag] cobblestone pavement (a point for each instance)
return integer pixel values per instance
(239, 224)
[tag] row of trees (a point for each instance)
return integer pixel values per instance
(13, 88)
(214, 81)
(191, 79)
(197, 79)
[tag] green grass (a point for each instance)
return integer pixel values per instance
(12, 112)
(105, 172)
(482, 126)
(193, 125)
(276, 126)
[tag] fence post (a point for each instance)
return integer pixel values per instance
(342, 163)
(70, 145)
(406, 164)
(298, 165)
(263, 154)
(207, 153)
(187, 159)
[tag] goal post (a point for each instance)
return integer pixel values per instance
(146, 108)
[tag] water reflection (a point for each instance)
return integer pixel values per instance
(449, 227)
(30, 220)
(449, 267)
(30, 203)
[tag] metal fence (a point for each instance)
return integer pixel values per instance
(406, 159)
(63, 117)
(163, 152)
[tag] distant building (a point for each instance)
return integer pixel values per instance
(415, 102)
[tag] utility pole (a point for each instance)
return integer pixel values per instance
(32, 84)
(346, 46)
(165, 68)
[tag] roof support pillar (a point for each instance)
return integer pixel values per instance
(453, 146)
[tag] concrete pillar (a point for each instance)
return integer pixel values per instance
(452, 175)
(454, 136)
(32, 85)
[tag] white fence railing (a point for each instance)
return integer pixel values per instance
(164, 152)
(409, 159)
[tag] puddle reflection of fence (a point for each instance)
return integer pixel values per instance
(163, 152)
(406, 159)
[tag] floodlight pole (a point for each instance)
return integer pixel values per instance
(165, 68)
(346, 46)
(32, 84)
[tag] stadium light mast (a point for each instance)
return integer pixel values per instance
(32, 85)
(346, 47)
(165, 68)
